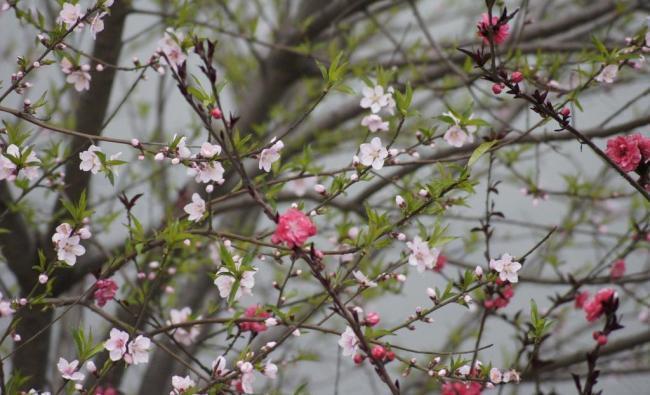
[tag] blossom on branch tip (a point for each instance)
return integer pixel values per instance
(499, 32)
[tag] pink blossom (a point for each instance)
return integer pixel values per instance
(581, 298)
(294, 228)
(594, 308)
(106, 391)
(625, 152)
(461, 388)
(617, 270)
(254, 326)
(105, 290)
(499, 34)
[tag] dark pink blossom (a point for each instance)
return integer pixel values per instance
(643, 143)
(499, 34)
(460, 388)
(105, 290)
(294, 228)
(625, 152)
(581, 298)
(617, 270)
(254, 326)
(594, 308)
(106, 391)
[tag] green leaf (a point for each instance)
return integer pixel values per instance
(479, 151)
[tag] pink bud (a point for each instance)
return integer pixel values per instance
(216, 113)
(372, 319)
(497, 89)
(358, 359)
(517, 77)
(565, 112)
(378, 352)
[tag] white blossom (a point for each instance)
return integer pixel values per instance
(66, 243)
(349, 342)
(495, 376)
(225, 281)
(506, 267)
(69, 371)
(421, 255)
(5, 308)
(116, 344)
(181, 384)
(97, 24)
(170, 47)
(608, 74)
(209, 150)
(183, 335)
(363, 280)
(90, 161)
(247, 376)
(196, 209)
(373, 154)
(374, 123)
(207, 171)
(9, 170)
(138, 351)
(219, 366)
(80, 79)
(374, 98)
(270, 155)
(70, 14)
(271, 370)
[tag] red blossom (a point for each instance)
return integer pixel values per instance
(460, 388)
(625, 151)
(499, 34)
(105, 391)
(105, 290)
(294, 228)
(254, 326)
(594, 308)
